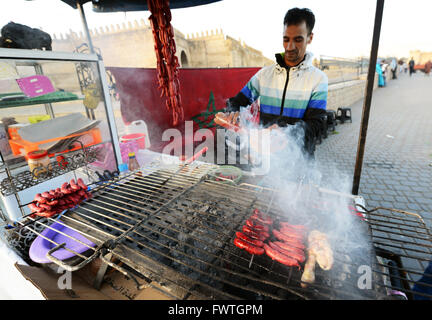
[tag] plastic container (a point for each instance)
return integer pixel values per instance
(38, 159)
(61, 234)
(138, 137)
(139, 126)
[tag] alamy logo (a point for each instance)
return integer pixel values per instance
(365, 279)
(65, 280)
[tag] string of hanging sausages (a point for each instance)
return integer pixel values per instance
(167, 62)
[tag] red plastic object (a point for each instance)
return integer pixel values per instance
(138, 137)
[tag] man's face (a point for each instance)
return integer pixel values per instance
(295, 41)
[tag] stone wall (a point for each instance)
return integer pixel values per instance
(345, 94)
(131, 45)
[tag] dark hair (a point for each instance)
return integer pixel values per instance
(296, 16)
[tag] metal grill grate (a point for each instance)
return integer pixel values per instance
(176, 227)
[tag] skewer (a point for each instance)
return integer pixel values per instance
(250, 263)
(266, 212)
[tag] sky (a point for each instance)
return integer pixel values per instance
(343, 28)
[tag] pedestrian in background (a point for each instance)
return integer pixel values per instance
(380, 75)
(393, 68)
(411, 66)
(427, 68)
(384, 66)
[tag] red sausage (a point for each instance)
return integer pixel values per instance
(34, 208)
(292, 226)
(52, 203)
(292, 234)
(45, 206)
(65, 188)
(259, 227)
(280, 257)
(292, 254)
(73, 185)
(248, 247)
(46, 195)
(242, 236)
(38, 197)
(286, 246)
(253, 234)
(262, 217)
(295, 242)
(81, 184)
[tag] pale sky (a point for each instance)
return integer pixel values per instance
(343, 27)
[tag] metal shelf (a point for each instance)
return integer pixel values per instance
(58, 96)
(27, 179)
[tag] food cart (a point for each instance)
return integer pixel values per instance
(171, 228)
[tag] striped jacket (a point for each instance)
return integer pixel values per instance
(287, 95)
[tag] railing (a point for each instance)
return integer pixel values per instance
(341, 69)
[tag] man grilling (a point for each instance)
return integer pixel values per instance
(292, 90)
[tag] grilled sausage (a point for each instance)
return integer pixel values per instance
(65, 188)
(38, 197)
(34, 208)
(244, 237)
(292, 254)
(74, 185)
(248, 247)
(45, 206)
(52, 203)
(293, 233)
(292, 241)
(286, 246)
(81, 183)
(255, 234)
(292, 226)
(46, 195)
(262, 217)
(280, 257)
(257, 226)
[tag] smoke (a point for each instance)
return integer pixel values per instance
(316, 195)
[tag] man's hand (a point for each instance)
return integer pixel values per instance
(273, 126)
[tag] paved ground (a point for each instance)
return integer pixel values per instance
(397, 167)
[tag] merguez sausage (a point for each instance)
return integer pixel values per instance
(288, 247)
(299, 257)
(292, 226)
(257, 226)
(292, 241)
(248, 247)
(255, 242)
(254, 234)
(280, 257)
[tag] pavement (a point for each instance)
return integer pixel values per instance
(397, 165)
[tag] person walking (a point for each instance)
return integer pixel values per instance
(393, 67)
(411, 66)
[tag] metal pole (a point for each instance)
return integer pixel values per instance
(86, 30)
(90, 43)
(368, 97)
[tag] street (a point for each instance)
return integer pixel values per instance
(397, 166)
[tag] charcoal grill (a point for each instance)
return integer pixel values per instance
(175, 227)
